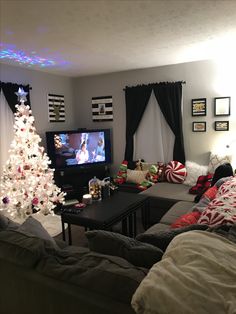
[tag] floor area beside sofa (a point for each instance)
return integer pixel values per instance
(79, 238)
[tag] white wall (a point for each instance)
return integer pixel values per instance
(42, 84)
(204, 79)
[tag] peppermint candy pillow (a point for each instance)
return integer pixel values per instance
(175, 172)
(221, 210)
(228, 186)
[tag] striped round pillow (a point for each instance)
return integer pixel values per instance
(175, 172)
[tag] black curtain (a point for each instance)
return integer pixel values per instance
(9, 90)
(136, 101)
(169, 96)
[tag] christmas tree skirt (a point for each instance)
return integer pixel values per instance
(52, 223)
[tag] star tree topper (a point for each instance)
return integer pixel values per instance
(21, 95)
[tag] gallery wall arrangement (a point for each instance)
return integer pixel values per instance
(221, 108)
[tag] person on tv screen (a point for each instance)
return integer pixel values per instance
(82, 155)
(99, 152)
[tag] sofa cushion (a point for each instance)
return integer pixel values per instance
(169, 191)
(162, 238)
(22, 249)
(106, 275)
(175, 172)
(137, 253)
(177, 210)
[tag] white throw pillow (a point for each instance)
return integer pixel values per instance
(194, 170)
(217, 160)
(136, 176)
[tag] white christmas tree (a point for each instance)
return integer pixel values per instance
(27, 185)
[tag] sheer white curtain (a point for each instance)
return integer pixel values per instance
(153, 140)
(6, 130)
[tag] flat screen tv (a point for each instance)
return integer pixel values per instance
(79, 148)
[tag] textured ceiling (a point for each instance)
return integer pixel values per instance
(93, 37)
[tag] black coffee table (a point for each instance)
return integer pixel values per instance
(120, 207)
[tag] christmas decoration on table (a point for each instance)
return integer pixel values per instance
(27, 185)
(151, 178)
(122, 173)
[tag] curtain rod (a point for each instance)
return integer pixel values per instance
(182, 82)
(30, 87)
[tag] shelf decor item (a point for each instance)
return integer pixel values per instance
(87, 199)
(199, 107)
(199, 127)
(222, 106)
(221, 125)
(95, 189)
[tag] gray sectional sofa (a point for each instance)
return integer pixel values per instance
(39, 275)
(163, 196)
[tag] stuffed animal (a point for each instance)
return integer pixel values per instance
(121, 176)
(151, 178)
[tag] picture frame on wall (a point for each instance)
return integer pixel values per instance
(199, 107)
(199, 126)
(222, 106)
(221, 125)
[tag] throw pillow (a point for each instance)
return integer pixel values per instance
(161, 239)
(135, 252)
(175, 172)
(31, 226)
(203, 183)
(228, 186)
(186, 220)
(194, 170)
(216, 160)
(136, 176)
(221, 210)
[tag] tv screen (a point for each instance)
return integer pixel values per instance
(79, 148)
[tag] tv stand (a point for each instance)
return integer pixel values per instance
(75, 181)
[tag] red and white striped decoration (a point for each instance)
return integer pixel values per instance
(175, 172)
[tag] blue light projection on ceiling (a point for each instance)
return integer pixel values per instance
(11, 53)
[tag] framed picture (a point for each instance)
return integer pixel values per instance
(221, 125)
(222, 106)
(199, 107)
(199, 126)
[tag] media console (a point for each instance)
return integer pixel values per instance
(74, 181)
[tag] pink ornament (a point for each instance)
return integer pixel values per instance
(35, 201)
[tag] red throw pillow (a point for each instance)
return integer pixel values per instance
(175, 172)
(211, 192)
(203, 183)
(186, 220)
